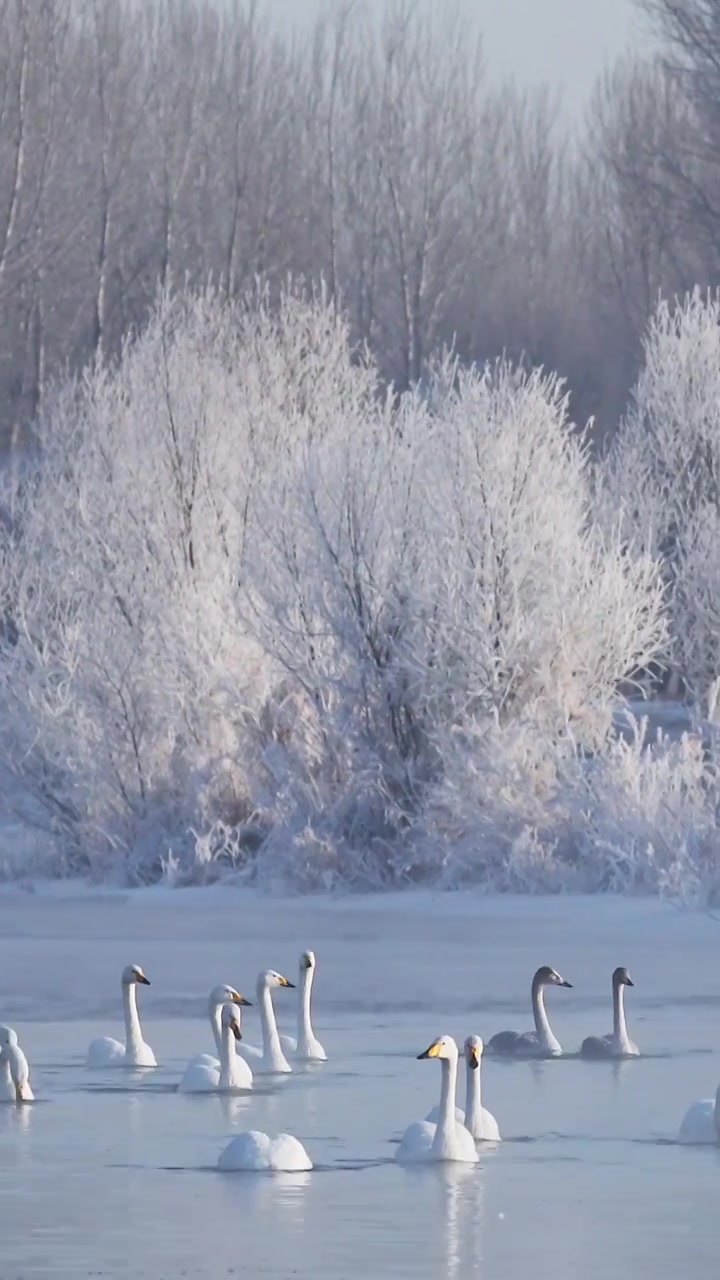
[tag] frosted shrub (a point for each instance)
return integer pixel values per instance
(542, 613)
(531, 815)
(663, 474)
(126, 677)
(432, 583)
(263, 617)
(646, 819)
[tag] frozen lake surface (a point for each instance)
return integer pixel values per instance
(112, 1174)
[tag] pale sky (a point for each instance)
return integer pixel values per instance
(562, 43)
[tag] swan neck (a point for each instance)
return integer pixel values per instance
(620, 1034)
(133, 1031)
(227, 1053)
(214, 1011)
(271, 1039)
(542, 1024)
(473, 1098)
(305, 1031)
(444, 1140)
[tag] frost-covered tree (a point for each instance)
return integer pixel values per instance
(124, 667)
(246, 592)
(434, 581)
(663, 474)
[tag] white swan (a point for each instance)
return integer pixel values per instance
(541, 1042)
(446, 1140)
(271, 1057)
(480, 1122)
(219, 996)
(106, 1052)
(14, 1068)
(256, 1151)
(7, 1088)
(306, 1048)
(618, 1044)
(701, 1122)
(231, 1072)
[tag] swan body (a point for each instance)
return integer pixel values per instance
(7, 1088)
(106, 1052)
(478, 1121)
(307, 1047)
(434, 1114)
(255, 1151)
(219, 996)
(232, 1072)
(540, 1043)
(701, 1122)
(618, 1044)
(14, 1068)
(424, 1141)
(269, 1059)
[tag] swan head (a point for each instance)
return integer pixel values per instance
(621, 977)
(443, 1047)
(548, 977)
(230, 1017)
(8, 1038)
(228, 995)
(272, 979)
(307, 960)
(473, 1051)
(134, 973)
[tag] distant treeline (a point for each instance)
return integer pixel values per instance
(188, 141)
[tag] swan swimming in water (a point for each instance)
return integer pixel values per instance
(701, 1122)
(541, 1042)
(219, 996)
(7, 1088)
(306, 1048)
(106, 1052)
(480, 1122)
(618, 1044)
(271, 1057)
(255, 1151)
(14, 1069)
(231, 1072)
(424, 1141)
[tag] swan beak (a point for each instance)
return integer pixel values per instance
(145, 981)
(285, 983)
(473, 1060)
(566, 984)
(432, 1052)
(236, 1031)
(238, 999)
(629, 982)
